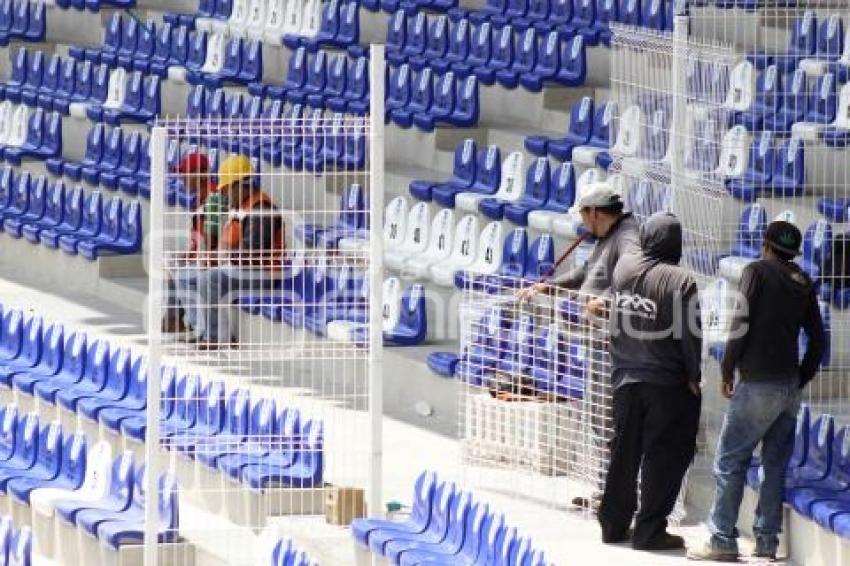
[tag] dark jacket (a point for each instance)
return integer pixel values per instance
(594, 277)
(763, 342)
(655, 325)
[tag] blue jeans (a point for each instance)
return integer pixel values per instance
(207, 295)
(763, 412)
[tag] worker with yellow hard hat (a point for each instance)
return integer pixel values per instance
(250, 250)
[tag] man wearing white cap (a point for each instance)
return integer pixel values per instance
(616, 235)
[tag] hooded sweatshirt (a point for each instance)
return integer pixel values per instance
(765, 337)
(655, 325)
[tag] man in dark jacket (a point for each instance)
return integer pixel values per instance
(776, 300)
(656, 350)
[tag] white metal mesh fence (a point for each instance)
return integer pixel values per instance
(265, 296)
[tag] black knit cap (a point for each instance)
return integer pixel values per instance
(783, 237)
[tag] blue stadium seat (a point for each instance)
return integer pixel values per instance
(480, 51)
(43, 356)
(463, 173)
(458, 49)
(128, 162)
(9, 417)
(818, 458)
(35, 209)
(53, 213)
(70, 367)
(352, 218)
(135, 402)
(748, 240)
(560, 364)
(767, 102)
(536, 188)
(421, 95)
(69, 476)
(264, 424)
(436, 44)
(119, 236)
(129, 527)
(817, 248)
(264, 448)
(48, 87)
(524, 61)
(107, 378)
(396, 37)
(316, 79)
(488, 175)
(12, 335)
(489, 9)
(442, 504)
(242, 419)
(18, 197)
(760, 165)
(46, 462)
(91, 366)
(29, 354)
(581, 126)
(27, 436)
(830, 40)
(305, 471)
(412, 327)
(420, 513)
(355, 97)
(478, 361)
(117, 498)
(92, 223)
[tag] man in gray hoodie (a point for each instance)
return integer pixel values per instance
(656, 350)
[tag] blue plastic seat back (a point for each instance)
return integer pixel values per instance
(358, 80)
(112, 33)
(224, 9)
(752, 226)
(817, 245)
(606, 116)
(7, 187)
(412, 314)
(488, 174)
(822, 104)
(801, 436)
(20, 66)
(38, 197)
(52, 349)
(130, 230)
(100, 83)
(422, 91)
(312, 449)
(20, 548)
(118, 373)
(537, 180)
(841, 454)
(654, 15)
(830, 42)
(197, 51)
(114, 141)
(97, 365)
(21, 193)
(263, 422)
(162, 43)
(20, 18)
(74, 354)
(514, 253)
(482, 44)
(7, 535)
(417, 34)
(232, 58)
(33, 332)
(581, 120)
(216, 103)
(329, 21)
(237, 412)
(138, 380)
(761, 160)
(129, 36)
(550, 354)
(146, 40)
(821, 434)
(526, 53)
(123, 477)
(151, 96)
(26, 441)
(464, 164)
(50, 77)
(459, 41)
(790, 162)
(503, 48)
(8, 429)
(35, 129)
(131, 153)
(516, 8)
(584, 13)
(538, 10)
(574, 59)
(233, 106)
(803, 40)
(561, 11)
(520, 347)
(540, 258)
(549, 55)
(187, 398)
(72, 217)
(13, 332)
(179, 52)
(296, 72)
(92, 214)
(444, 95)
(768, 91)
(211, 413)
(629, 11)
(656, 135)
(49, 456)
(399, 87)
(437, 42)
(337, 76)
(168, 505)
(349, 24)
(317, 72)
(133, 92)
(67, 84)
(84, 80)
(396, 38)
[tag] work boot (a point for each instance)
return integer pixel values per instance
(710, 552)
(664, 541)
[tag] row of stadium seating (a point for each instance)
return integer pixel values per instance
(57, 474)
(249, 18)
(22, 20)
(200, 419)
(77, 223)
(818, 473)
(114, 159)
(94, 5)
(508, 56)
(446, 526)
(320, 79)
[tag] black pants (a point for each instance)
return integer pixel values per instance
(655, 431)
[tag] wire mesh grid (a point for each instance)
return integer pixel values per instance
(262, 294)
(536, 416)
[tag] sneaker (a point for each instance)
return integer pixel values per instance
(664, 541)
(710, 552)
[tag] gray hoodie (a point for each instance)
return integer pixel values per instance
(655, 325)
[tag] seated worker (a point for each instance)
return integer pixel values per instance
(249, 256)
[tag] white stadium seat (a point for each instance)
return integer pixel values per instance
(462, 253)
(485, 257)
(439, 245)
(510, 186)
(415, 238)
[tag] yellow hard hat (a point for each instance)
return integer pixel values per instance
(233, 170)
